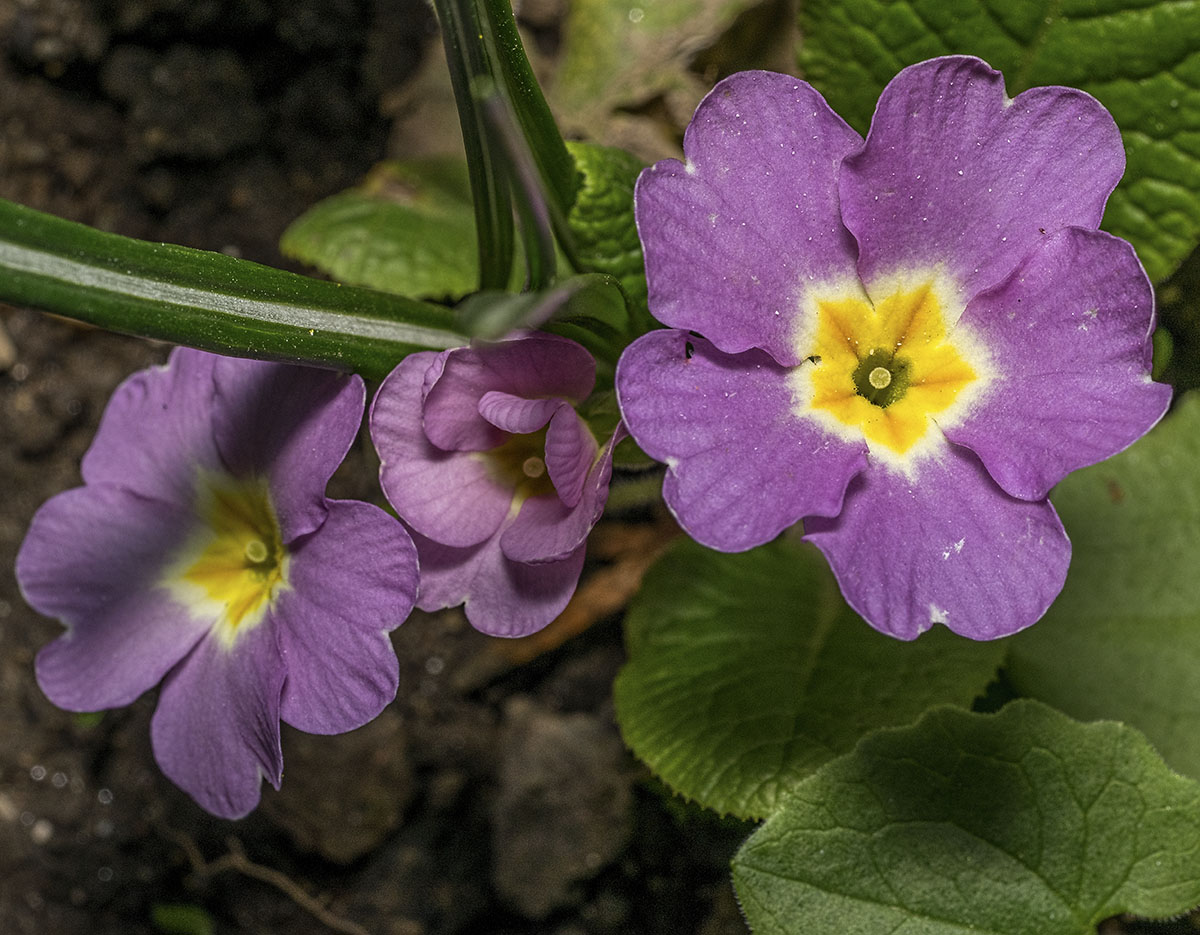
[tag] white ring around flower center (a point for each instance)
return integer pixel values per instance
(880, 378)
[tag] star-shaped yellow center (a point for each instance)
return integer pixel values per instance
(885, 370)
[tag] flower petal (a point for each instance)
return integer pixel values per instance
(956, 176)
(947, 546)
(516, 414)
(293, 425)
(216, 730)
(92, 558)
(156, 430)
(741, 465)
(448, 495)
(1069, 332)
(734, 237)
(501, 597)
(547, 528)
(531, 366)
(353, 580)
(570, 453)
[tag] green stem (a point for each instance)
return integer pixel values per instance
(209, 300)
(521, 90)
(528, 195)
(469, 67)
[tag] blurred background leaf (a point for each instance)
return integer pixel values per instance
(1123, 639)
(408, 229)
(631, 71)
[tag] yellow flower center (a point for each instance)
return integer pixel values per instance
(235, 565)
(886, 370)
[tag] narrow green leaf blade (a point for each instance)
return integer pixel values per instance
(472, 79)
(524, 95)
(1141, 58)
(208, 300)
(1123, 639)
(1017, 823)
(408, 229)
(747, 672)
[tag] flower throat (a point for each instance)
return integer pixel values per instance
(885, 369)
(882, 378)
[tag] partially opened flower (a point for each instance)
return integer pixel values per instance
(203, 552)
(499, 479)
(904, 342)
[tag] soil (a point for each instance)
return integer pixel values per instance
(494, 796)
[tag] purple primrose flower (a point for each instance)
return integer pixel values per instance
(202, 552)
(905, 342)
(495, 474)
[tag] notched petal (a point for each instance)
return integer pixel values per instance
(742, 463)
(735, 238)
(946, 546)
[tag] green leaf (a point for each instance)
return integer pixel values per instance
(747, 672)
(1123, 639)
(1017, 823)
(527, 190)
(208, 300)
(521, 91)
(602, 222)
(408, 229)
(181, 919)
(472, 79)
(491, 315)
(617, 55)
(1141, 58)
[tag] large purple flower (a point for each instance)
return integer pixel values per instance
(203, 552)
(498, 478)
(905, 342)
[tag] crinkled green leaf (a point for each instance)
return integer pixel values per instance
(747, 672)
(1018, 823)
(1123, 639)
(602, 222)
(408, 229)
(1141, 58)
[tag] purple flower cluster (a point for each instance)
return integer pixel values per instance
(202, 552)
(904, 342)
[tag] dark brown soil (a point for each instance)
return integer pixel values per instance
(490, 798)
